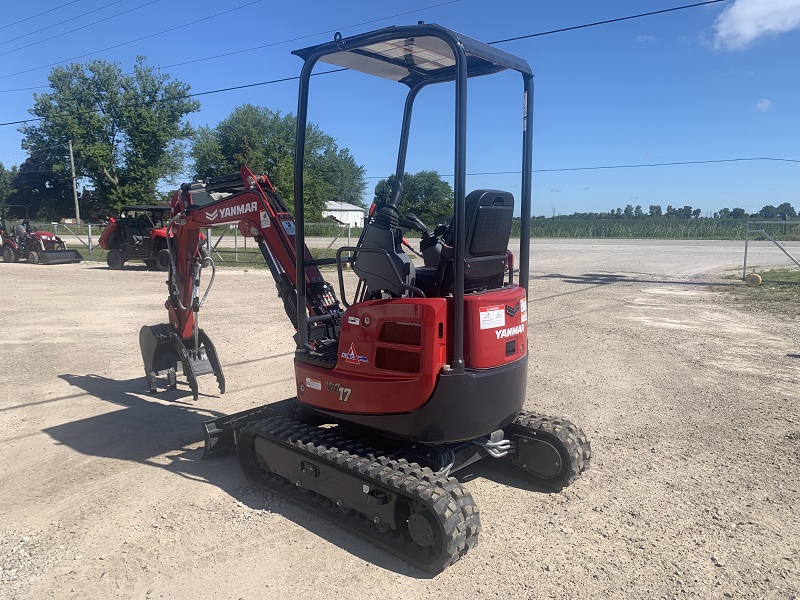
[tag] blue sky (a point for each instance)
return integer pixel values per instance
(715, 82)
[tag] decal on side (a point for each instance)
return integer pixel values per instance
(352, 356)
(231, 211)
(493, 317)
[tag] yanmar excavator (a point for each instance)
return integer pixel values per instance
(423, 370)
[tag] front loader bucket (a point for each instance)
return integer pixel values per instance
(162, 350)
(58, 257)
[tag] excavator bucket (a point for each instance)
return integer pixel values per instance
(58, 257)
(162, 351)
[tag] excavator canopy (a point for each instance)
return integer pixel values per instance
(395, 53)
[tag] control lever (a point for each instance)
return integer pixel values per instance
(411, 221)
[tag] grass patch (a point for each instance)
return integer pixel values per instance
(779, 293)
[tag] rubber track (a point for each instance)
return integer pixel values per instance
(572, 440)
(445, 497)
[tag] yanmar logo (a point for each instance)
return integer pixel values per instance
(509, 331)
(231, 211)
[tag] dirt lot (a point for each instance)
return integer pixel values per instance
(691, 405)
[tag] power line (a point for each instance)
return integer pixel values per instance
(337, 70)
(38, 15)
(185, 96)
(606, 22)
(594, 168)
(295, 39)
(19, 37)
(304, 37)
(170, 30)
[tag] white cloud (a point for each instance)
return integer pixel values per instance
(763, 105)
(555, 191)
(747, 20)
(645, 38)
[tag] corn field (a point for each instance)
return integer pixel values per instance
(230, 246)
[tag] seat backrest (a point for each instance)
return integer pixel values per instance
(489, 215)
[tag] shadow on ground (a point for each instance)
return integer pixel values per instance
(165, 431)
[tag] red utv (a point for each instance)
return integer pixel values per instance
(138, 233)
(37, 247)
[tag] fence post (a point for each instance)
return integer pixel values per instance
(746, 240)
(236, 244)
(89, 237)
(208, 240)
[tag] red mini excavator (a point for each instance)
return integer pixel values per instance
(422, 370)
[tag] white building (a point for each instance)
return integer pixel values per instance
(344, 213)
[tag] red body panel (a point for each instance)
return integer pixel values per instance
(107, 233)
(390, 353)
(494, 324)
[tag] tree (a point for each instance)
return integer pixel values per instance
(786, 211)
(6, 183)
(637, 212)
(425, 194)
(697, 212)
(655, 210)
(768, 212)
(723, 213)
(263, 140)
(738, 213)
(628, 211)
(47, 192)
(127, 129)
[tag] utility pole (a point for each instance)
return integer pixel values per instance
(74, 184)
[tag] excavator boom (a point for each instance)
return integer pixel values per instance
(253, 204)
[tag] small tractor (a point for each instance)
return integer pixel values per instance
(37, 247)
(416, 371)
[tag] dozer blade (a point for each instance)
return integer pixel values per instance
(162, 350)
(57, 257)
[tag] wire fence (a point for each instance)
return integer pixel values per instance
(228, 246)
(224, 242)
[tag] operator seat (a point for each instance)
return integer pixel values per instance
(489, 216)
(133, 232)
(20, 230)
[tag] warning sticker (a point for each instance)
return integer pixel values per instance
(354, 320)
(493, 316)
(314, 384)
(523, 305)
(264, 219)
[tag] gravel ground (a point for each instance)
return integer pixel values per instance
(690, 402)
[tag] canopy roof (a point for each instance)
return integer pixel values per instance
(413, 54)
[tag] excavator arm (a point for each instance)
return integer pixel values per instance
(252, 203)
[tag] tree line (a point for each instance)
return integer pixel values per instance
(130, 138)
(783, 212)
